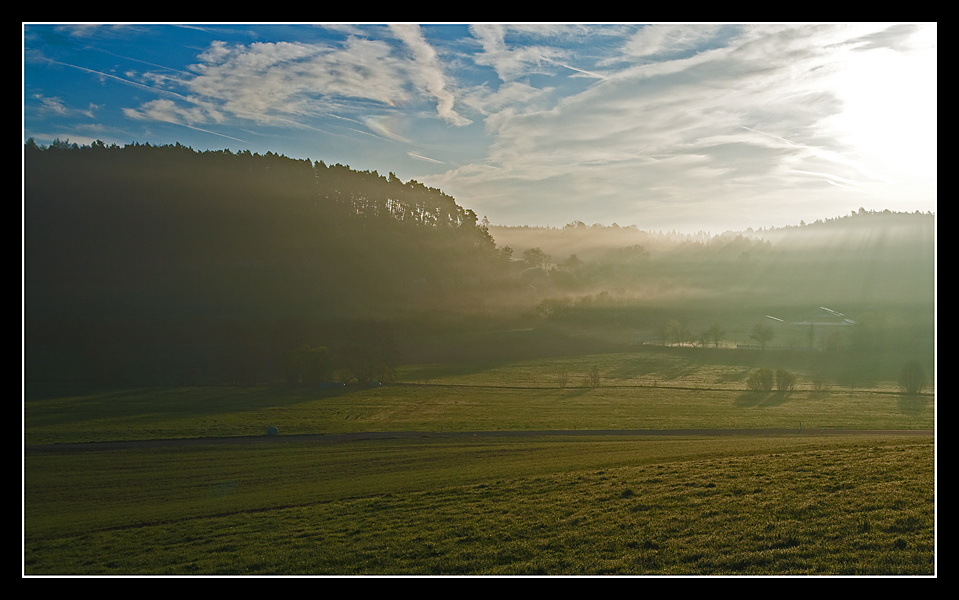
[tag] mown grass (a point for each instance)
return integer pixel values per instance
(785, 505)
(218, 412)
(674, 366)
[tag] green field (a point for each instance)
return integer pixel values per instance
(488, 506)
(447, 502)
(642, 390)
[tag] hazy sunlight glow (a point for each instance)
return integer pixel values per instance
(665, 126)
(890, 110)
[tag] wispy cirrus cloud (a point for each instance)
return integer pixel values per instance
(613, 123)
(54, 105)
(167, 111)
(171, 112)
(511, 63)
(418, 156)
(669, 41)
(262, 80)
(276, 82)
(730, 114)
(428, 73)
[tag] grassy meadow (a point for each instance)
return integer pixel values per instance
(639, 390)
(781, 505)
(448, 502)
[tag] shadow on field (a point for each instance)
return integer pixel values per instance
(574, 392)
(913, 405)
(733, 375)
(33, 391)
(194, 400)
(666, 364)
(761, 399)
(438, 371)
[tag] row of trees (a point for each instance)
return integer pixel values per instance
(365, 194)
(591, 379)
(672, 332)
(912, 379)
(679, 332)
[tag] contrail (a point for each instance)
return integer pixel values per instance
(426, 158)
(120, 79)
(204, 130)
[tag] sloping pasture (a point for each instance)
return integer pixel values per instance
(617, 505)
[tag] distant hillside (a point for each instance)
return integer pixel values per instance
(864, 258)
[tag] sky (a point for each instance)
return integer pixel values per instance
(688, 127)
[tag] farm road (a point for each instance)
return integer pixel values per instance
(370, 435)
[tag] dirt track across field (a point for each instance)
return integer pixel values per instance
(370, 435)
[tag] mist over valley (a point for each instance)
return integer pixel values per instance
(479, 299)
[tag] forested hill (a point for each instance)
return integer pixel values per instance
(167, 231)
(865, 258)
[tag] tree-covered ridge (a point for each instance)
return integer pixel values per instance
(267, 232)
(145, 262)
(597, 235)
(865, 262)
(364, 194)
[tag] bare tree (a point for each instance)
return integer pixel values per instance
(703, 339)
(715, 334)
(563, 377)
(760, 380)
(591, 380)
(762, 334)
(785, 381)
(679, 332)
(912, 378)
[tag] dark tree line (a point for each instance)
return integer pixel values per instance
(231, 226)
(120, 239)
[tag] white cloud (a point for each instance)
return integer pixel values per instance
(602, 121)
(428, 73)
(510, 63)
(752, 119)
(510, 95)
(668, 40)
(279, 82)
(384, 126)
(166, 111)
(276, 82)
(54, 105)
